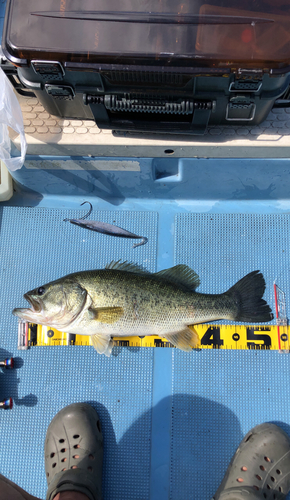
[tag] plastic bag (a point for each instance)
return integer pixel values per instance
(10, 115)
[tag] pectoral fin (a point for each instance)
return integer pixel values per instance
(106, 314)
(185, 339)
(102, 343)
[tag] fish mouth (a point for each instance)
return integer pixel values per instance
(35, 305)
(28, 314)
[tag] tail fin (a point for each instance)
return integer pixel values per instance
(247, 294)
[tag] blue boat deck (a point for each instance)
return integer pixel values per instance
(171, 420)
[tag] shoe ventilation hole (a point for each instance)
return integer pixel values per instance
(90, 469)
(91, 457)
(248, 438)
(73, 467)
(76, 436)
(47, 474)
(278, 471)
(63, 450)
(256, 487)
(76, 446)
(54, 465)
(62, 470)
(265, 496)
(267, 459)
(262, 467)
(272, 479)
(258, 477)
(268, 486)
(52, 455)
(76, 456)
(64, 459)
(240, 480)
(61, 441)
(280, 489)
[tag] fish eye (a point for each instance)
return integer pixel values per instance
(41, 290)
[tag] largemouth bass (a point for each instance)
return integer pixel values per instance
(125, 300)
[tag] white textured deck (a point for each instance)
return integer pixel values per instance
(50, 135)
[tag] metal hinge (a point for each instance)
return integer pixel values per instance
(148, 104)
(250, 72)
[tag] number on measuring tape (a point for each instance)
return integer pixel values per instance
(257, 335)
(212, 337)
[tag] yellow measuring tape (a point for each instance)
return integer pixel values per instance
(270, 337)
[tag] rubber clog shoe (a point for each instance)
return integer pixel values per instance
(74, 452)
(260, 468)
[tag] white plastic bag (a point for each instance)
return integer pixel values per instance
(10, 115)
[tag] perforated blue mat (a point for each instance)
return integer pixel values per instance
(222, 248)
(171, 420)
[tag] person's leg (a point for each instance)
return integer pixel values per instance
(10, 491)
(260, 468)
(74, 454)
(70, 495)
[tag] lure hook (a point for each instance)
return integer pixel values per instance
(86, 215)
(89, 212)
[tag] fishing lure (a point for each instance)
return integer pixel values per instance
(105, 228)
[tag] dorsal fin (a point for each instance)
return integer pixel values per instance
(126, 266)
(181, 275)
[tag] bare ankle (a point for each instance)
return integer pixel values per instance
(71, 495)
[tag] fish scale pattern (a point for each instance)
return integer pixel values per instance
(36, 246)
